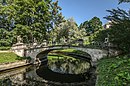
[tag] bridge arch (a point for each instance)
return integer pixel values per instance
(44, 54)
(34, 52)
(95, 54)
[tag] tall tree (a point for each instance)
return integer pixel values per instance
(120, 28)
(119, 32)
(56, 19)
(68, 31)
(31, 19)
(92, 25)
(120, 1)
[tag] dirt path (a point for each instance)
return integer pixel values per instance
(4, 51)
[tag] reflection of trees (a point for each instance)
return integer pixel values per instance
(21, 77)
(13, 77)
(5, 82)
(14, 80)
(68, 65)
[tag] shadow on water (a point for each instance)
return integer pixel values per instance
(45, 75)
(48, 74)
(68, 71)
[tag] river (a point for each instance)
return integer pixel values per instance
(55, 72)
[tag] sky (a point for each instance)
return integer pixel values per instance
(82, 10)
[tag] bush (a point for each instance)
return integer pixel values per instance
(4, 48)
(114, 71)
(23, 58)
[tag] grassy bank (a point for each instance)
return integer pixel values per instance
(4, 48)
(71, 51)
(59, 56)
(6, 57)
(61, 53)
(114, 71)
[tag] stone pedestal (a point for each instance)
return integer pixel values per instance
(19, 49)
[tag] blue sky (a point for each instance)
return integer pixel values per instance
(82, 10)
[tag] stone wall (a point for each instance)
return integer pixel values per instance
(96, 54)
(5, 66)
(19, 49)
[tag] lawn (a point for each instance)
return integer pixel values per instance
(6, 57)
(65, 50)
(71, 51)
(114, 71)
(58, 56)
(4, 48)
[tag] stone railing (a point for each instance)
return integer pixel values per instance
(10, 65)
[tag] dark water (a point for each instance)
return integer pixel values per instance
(68, 65)
(54, 73)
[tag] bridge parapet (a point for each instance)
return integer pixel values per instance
(95, 54)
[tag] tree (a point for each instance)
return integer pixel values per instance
(56, 18)
(68, 32)
(92, 25)
(119, 32)
(120, 1)
(120, 29)
(6, 37)
(101, 35)
(30, 19)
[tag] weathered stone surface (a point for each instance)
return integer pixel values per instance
(5, 66)
(96, 54)
(19, 48)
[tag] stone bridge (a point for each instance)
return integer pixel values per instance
(42, 52)
(95, 54)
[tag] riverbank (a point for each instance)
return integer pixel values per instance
(114, 71)
(7, 56)
(4, 51)
(9, 60)
(11, 65)
(73, 56)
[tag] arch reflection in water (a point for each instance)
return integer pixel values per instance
(64, 70)
(68, 65)
(43, 76)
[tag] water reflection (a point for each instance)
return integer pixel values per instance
(68, 65)
(43, 76)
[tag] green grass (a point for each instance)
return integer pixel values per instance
(114, 71)
(66, 50)
(71, 51)
(60, 56)
(4, 48)
(9, 57)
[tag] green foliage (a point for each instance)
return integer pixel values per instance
(114, 71)
(29, 19)
(92, 25)
(56, 16)
(8, 57)
(23, 58)
(67, 32)
(4, 48)
(100, 37)
(119, 35)
(120, 28)
(6, 37)
(71, 51)
(120, 1)
(58, 56)
(67, 50)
